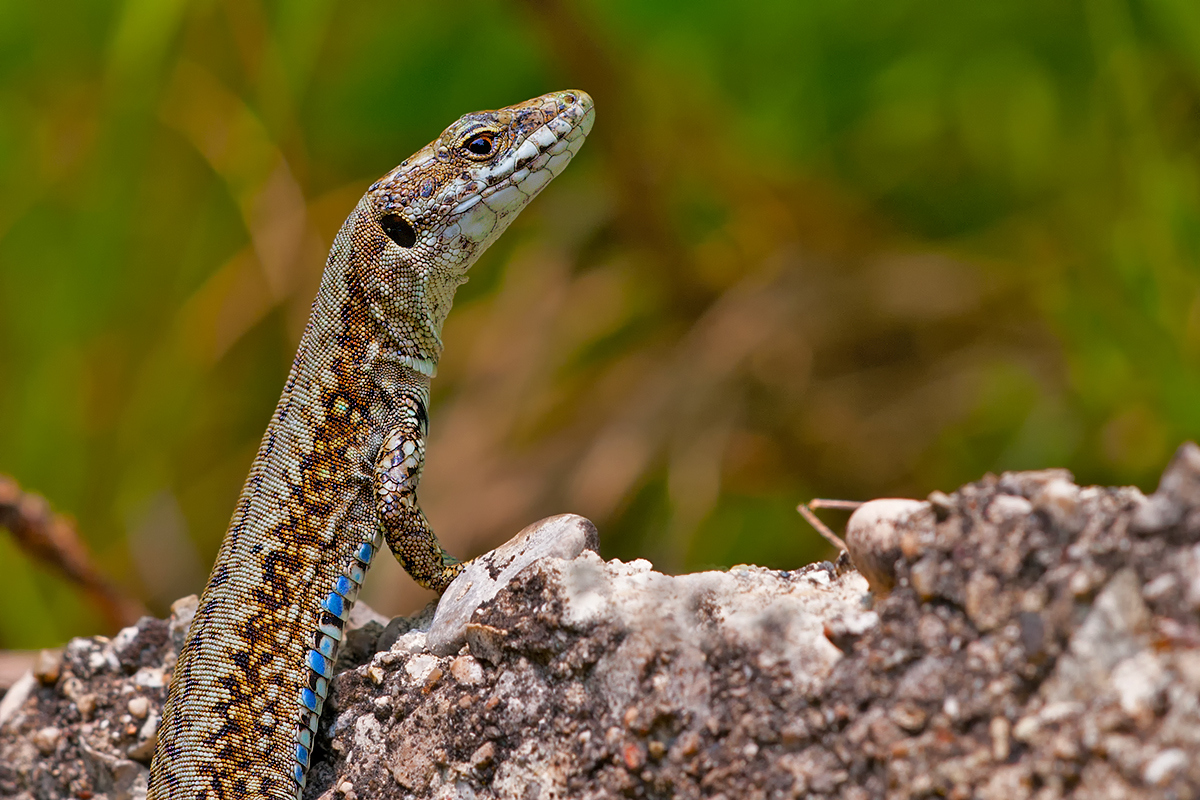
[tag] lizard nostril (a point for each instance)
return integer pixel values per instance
(571, 98)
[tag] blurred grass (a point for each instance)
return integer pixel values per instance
(830, 248)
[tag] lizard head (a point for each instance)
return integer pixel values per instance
(433, 215)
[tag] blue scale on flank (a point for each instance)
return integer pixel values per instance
(320, 659)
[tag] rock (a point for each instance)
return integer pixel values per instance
(1029, 638)
(15, 697)
(47, 665)
(564, 536)
(618, 663)
(46, 740)
(873, 536)
(139, 707)
(86, 724)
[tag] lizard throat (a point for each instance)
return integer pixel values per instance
(422, 366)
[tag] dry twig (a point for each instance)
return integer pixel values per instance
(806, 511)
(52, 539)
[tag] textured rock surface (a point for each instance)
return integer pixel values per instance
(1038, 640)
(587, 679)
(563, 536)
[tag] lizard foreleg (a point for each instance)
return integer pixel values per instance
(397, 473)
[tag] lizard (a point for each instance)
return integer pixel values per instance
(337, 470)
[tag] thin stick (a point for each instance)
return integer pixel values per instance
(842, 505)
(821, 527)
(52, 539)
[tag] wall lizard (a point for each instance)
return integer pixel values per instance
(337, 471)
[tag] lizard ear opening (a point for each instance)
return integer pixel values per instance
(398, 230)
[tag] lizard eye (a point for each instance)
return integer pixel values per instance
(398, 230)
(481, 144)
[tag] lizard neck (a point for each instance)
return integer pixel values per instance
(402, 310)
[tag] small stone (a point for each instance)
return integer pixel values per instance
(1160, 587)
(150, 678)
(375, 674)
(1164, 766)
(16, 695)
(1140, 682)
(484, 755)
(941, 503)
(143, 750)
(434, 676)
(139, 707)
(183, 611)
(1080, 583)
(1155, 513)
(48, 666)
(656, 749)
(1059, 500)
(410, 641)
(1025, 728)
(984, 603)
(466, 671)
(419, 668)
(86, 703)
(414, 766)
(1006, 507)
(844, 631)
(909, 716)
(873, 537)
(1000, 729)
(1181, 479)
(633, 756)
(923, 577)
(46, 740)
(1060, 711)
(486, 642)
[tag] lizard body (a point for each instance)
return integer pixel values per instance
(337, 471)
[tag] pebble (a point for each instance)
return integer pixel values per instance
(139, 707)
(46, 740)
(1164, 766)
(466, 670)
(48, 667)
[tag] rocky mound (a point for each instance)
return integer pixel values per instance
(1025, 638)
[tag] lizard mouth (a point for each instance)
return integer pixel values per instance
(498, 190)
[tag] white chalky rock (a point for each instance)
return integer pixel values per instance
(564, 536)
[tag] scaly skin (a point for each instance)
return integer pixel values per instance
(338, 467)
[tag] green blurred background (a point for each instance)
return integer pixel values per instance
(840, 248)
